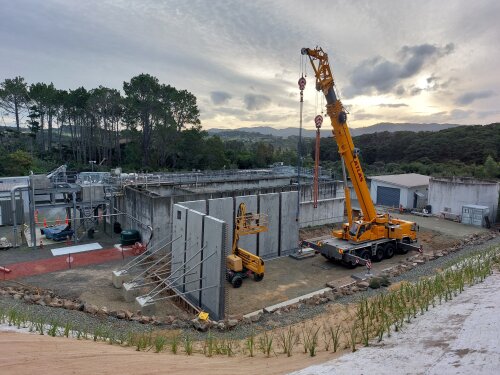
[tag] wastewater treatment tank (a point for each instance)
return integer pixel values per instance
(129, 237)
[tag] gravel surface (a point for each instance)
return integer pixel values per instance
(77, 319)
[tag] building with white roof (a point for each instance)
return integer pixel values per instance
(409, 190)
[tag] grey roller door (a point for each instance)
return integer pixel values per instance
(388, 196)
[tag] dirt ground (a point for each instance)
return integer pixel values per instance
(92, 284)
(288, 278)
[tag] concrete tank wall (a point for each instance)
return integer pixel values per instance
(453, 193)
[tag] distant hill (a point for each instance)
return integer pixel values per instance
(326, 132)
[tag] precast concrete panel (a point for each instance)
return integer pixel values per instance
(213, 268)
(248, 242)
(289, 226)
(328, 211)
(179, 245)
(194, 243)
(200, 205)
(223, 209)
(269, 204)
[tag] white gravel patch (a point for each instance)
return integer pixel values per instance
(461, 336)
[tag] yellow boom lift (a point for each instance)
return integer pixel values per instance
(372, 236)
(242, 263)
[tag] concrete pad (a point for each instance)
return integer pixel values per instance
(76, 249)
(194, 229)
(223, 209)
(200, 206)
(130, 291)
(269, 205)
(214, 240)
(273, 308)
(146, 306)
(249, 243)
(119, 277)
(289, 228)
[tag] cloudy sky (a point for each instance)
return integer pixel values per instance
(393, 61)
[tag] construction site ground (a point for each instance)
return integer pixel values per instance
(285, 278)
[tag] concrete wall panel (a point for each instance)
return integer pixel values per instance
(212, 298)
(269, 204)
(289, 231)
(179, 246)
(194, 242)
(249, 242)
(328, 211)
(200, 205)
(223, 209)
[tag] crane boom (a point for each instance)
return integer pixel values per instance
(338, 117)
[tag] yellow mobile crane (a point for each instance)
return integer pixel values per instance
(372, 236)
(242, 263)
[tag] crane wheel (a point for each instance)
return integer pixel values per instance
(349, 265)
(365, 254)
(258, 277)
(379, 254)
(389, 251)
(237, 281)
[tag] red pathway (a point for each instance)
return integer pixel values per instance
(60, 263)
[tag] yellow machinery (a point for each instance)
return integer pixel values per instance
(242, 263)
(372, 235)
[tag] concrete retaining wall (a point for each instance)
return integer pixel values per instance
(203, 272)
(328, 211)
(289, 226)
(268, 242)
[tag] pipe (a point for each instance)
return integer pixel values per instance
(14, 210)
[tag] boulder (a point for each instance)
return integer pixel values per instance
(90, 308)
(200, 325)
(231, 323)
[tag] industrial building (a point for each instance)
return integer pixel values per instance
(408, 190)
(452, 197)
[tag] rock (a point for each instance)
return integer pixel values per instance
(354, 289)
(231, 323)
(363, 284)
(221, 325)
(255, 318)
(310, 301)
(36, 297)
(419, 261)
(70, 305)
(120, 314)
(200, 325)
(129, 314)
(247, 320)
(145, 319)
(41, 302)
(332, 296)
(323, 300)
(90, 308)
(103, 311)
(168, 319)
(17, 296)
(47, 299)
(27, 298)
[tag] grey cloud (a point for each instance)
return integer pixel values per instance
(383, 75)
(220, 97)
(393, 105)
(460, 114)
(256, 102)
(469, 97)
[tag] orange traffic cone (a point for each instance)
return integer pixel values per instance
(45, 222)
